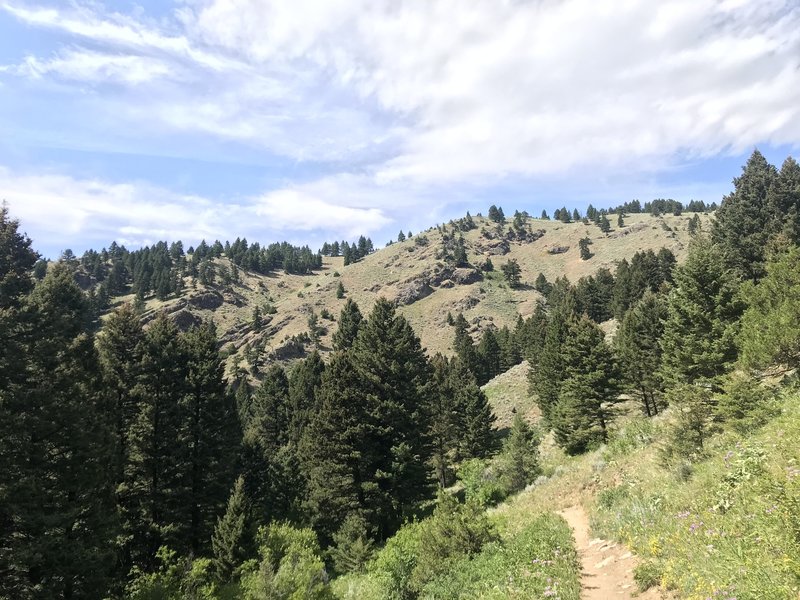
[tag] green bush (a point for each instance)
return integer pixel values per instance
(647, 574)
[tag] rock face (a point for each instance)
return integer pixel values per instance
(206, 300)
(497, 247)
(557, 249)
(465, 276)
(413, 290)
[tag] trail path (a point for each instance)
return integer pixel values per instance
(607, 567)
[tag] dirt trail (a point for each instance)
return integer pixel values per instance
(607, 567)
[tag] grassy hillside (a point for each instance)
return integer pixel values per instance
(409, 270)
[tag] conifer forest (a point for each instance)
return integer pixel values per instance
(142, 457)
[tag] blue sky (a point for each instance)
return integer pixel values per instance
(311, 120)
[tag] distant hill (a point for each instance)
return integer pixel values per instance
(415, 274)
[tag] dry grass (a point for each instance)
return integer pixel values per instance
(385, 272)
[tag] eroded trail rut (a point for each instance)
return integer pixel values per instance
(607, 567)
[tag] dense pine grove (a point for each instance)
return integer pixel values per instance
(129, 467)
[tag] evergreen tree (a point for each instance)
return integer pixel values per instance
(583, 244)
(230, 541)
(544, 216)
(395, 384)
(745, 220)
(401, 237)
(338, 453)
(155, 486)
(771, 324)
(340, 291)
(620, 220)
(548, 370)
(604, 224)
(349, 323)
(520, 459)
(576, 216)
(476, 436)
(512, 272)
(273, 481)
(581, 415)
(638, 346)
(211, 431)
(542, 286)
(702, 313)
(783, 200)
(489, 356)
(304, 381)
(120, 348)
(56, 482)
(16, 260)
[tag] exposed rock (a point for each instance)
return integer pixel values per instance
(185, 319)
(496, 247)
(627, 230)
(233, 298)
(557, 249)
(466, 303)
(414, 290)
(447, 284)
(466, 276)
(208, 300)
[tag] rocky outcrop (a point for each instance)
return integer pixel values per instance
(208, 300)
(465, 276)
(557, 249)
(413, 290)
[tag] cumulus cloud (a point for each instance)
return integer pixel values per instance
(409, 106)
(57, 209)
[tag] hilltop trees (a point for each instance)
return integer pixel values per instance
(512, 272)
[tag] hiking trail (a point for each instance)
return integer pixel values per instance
(606, 567)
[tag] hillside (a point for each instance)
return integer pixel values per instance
(413, 274)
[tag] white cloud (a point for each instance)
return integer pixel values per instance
(301, 210)
(447, 92)
(56, 210)
(86, 65)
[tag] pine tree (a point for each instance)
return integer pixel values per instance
(155, 485)
(349, 323)
(489, 356)
(745, 220)
(542, 286)
(512, 272)
(702, 313)
(272, 481)
(770, 331)
(120, 348)
(16, 260)
(520, 459)
(340, 291)
(605, 225)
(304, 381)
(581, 415)
(620, 220)
(395, 384)
(212, 434)
(638, 346)
(544, 216)
(338, 453)
(583, 244)
(401, 237)
(230, 541)
(56, 437)
(548, 370)
(476, 436)
(576, 216)
(783, 200)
